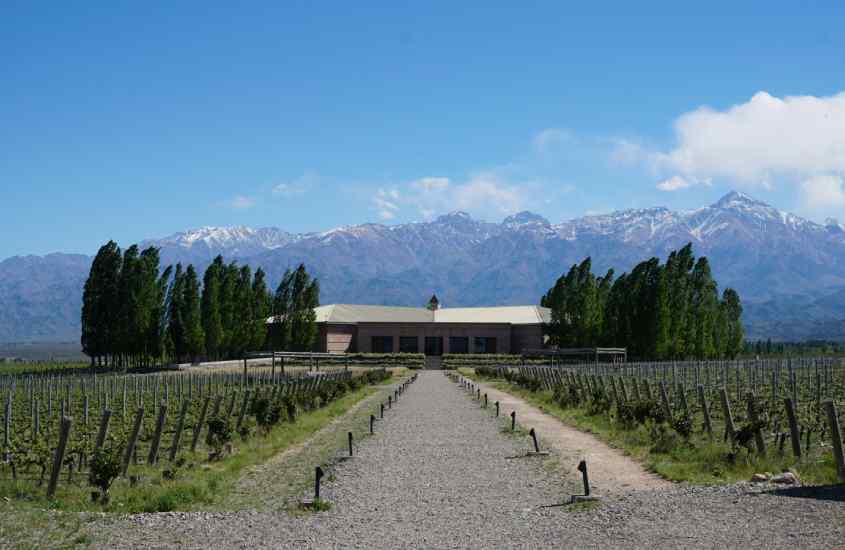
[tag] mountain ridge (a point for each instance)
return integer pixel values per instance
(784, 266)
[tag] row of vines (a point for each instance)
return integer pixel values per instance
(752, 408)
(94, 429)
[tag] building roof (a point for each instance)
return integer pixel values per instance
(514, 315)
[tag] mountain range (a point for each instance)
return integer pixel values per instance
(789, 271)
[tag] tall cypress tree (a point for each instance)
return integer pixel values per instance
(176, 325)
(261, 301)
(735, 334)
(192, 316)
(282, 309)
(212, 321)
(99, 304)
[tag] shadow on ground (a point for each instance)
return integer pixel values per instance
(821, 492)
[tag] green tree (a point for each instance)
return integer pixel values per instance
(261, 305)
(99, 304)
(192, 316)
(176, 325)
(212, 320)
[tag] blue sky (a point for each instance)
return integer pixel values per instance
(128, 122)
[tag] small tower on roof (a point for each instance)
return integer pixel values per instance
(434, 303)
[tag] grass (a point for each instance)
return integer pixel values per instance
(32, 521)
(700, 462)
(196, 485)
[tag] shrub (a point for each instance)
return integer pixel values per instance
(219, 436)
(104, 469)
(663, 439)
(567, 396)
(683, 426)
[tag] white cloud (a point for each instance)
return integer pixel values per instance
(550, 138)
(674, 183)
(482, 194)
(798, 140)
(824, 193)
(385, 202)
(241, 202)
(430, 184)
(297, 186)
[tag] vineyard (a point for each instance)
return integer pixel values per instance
(703, 420)
(65, 433)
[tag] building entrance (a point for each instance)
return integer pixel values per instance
(434, 345)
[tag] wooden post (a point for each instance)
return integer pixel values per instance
(133, 439)
(684, 404)
(152, 458)
(705, 409)
(836, 438)
(104, 429)
(199, 424)
(59, 457)
(730, 428)
(180, 425)
(758, 431)
(664, 397)
(794, 434)
(244, 380)
(243, 408)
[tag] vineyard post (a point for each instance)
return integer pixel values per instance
(664, 397)
(730, 428)
(59, 457)
(794, 434)
(152, 458)
(231, 408)
(836, 438)
(85, 411)
(7, 425)
(104, 429)
(705, 409)
(243, 408)
(180, 425)
(217, 402)
(683, 394)
(199, 424)
(36, 421)
(758, 431)
(133, 440)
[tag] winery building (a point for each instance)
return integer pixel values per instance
(434, 331)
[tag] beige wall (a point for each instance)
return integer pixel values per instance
(337, 338)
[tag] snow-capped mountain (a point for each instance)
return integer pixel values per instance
(789, 271)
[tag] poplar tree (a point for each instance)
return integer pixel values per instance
(192, 316)
(212, 321)
(669, 311)
(261, 304)
(99, 304)
(175, 305)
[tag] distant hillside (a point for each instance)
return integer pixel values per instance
(789, 271)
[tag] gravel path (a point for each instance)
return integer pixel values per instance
(611, 471)
(437, 475)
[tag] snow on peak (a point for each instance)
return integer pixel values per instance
(525, 218)
(737, 199)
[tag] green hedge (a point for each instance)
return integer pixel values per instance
(409, 360)
(456, 360)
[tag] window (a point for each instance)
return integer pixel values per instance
(409, 344)
(485, 344)
(458, 344)
(382, 344)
